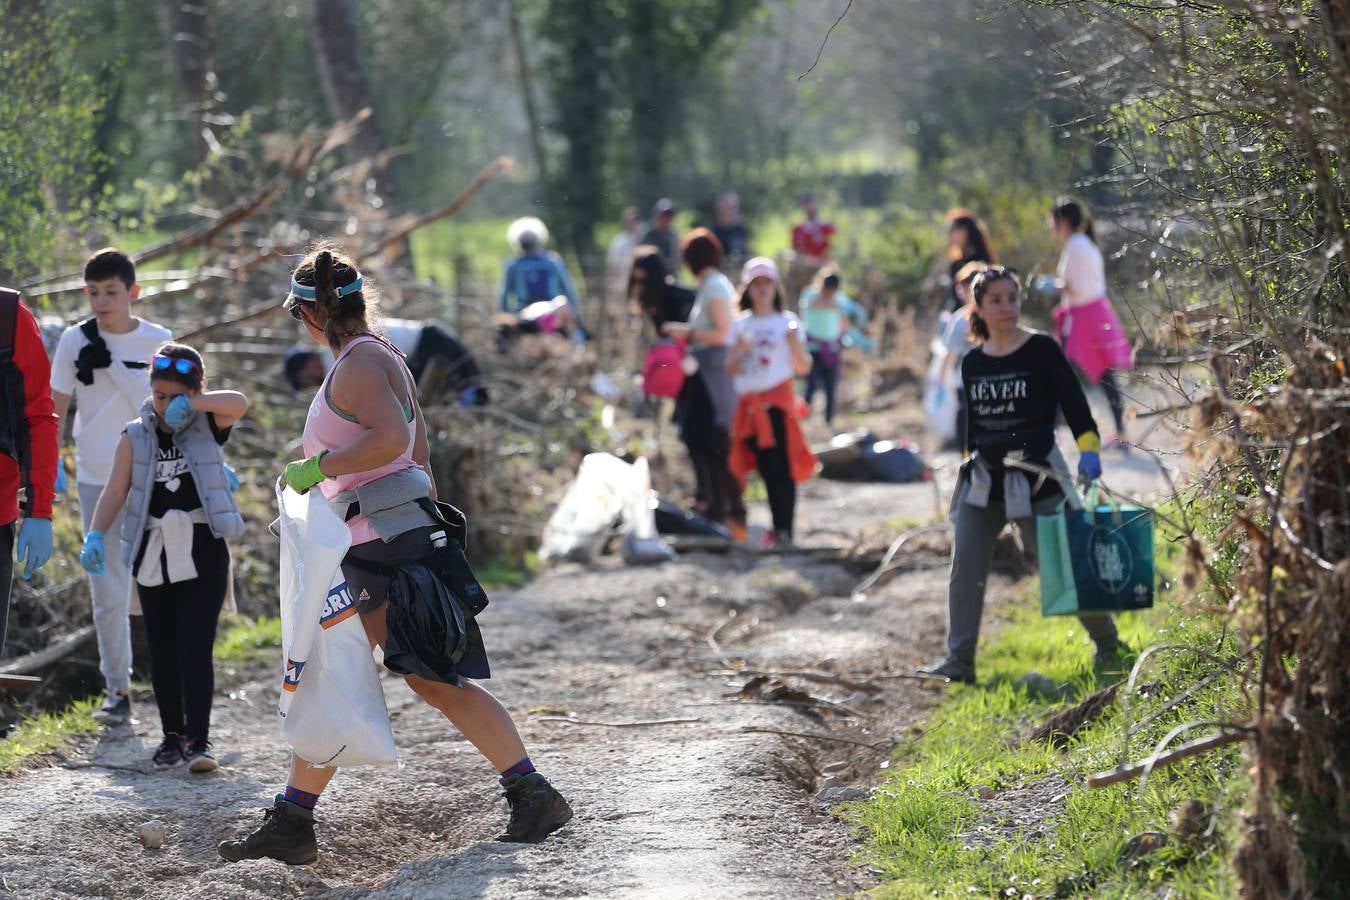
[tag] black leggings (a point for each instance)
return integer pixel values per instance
(1114, 399)
(180, 627)
(776, 471)
(717, 487)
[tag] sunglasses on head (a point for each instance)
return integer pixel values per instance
(176, 363)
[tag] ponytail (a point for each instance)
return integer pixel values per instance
(327, 269)
(978, 327)
(1070, 212)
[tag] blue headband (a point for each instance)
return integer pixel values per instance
(306, 292)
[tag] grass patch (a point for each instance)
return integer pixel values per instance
(506, 573)
(47, 733)
(932, 837)
(250, 641)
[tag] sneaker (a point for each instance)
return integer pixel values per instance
(1114, 660)
(199, 757)
(949, 670)
(116, 709)
(769, 540)
(739, 533)
(170, 752)
(537, 809)
(286, 833)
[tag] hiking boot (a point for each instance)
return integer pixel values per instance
(116, 709)
(170, 752)
(287, 834)
(199, 757)
(1115, 660)
(949, 670)
(537, 809)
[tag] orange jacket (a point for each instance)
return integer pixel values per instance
(752, 421)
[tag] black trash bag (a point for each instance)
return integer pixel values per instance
(894, 462)
(842, 458)
(673, 519)
(428, 634)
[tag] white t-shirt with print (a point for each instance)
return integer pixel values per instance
(769, 361)
(103, 408)
(1082, 271)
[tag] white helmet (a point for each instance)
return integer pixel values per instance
(527, 233)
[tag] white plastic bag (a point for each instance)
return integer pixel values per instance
(590, 509)
(331, 708)
(940, 400)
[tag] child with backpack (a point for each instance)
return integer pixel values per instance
(168, 484)
(102, 365)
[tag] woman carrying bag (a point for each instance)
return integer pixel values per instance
(1016, 383)
(365, 434)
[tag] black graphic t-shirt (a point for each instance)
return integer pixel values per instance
(174, 487)
(1012, 402)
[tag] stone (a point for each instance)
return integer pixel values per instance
(984, 792)
(152, 835)
(831, 797)
(837, 767)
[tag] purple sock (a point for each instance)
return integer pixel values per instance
(522, 768)
(300, 798)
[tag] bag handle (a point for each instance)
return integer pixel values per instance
(1095, 498)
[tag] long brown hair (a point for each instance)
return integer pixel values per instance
(326, 269)
(978, 235)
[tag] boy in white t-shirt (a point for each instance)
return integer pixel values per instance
(104, 364)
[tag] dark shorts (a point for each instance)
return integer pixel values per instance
(372, 589)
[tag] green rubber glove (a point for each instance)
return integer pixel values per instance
(303, 474)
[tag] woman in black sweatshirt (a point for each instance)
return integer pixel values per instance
(1015, 382)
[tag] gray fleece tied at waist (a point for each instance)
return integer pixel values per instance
(389, 504)
(1017, 485)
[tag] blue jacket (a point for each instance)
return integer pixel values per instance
(535, 276)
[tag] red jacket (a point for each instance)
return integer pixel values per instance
(31, 357)
(752, 421)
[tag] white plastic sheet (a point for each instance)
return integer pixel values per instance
(331, 708)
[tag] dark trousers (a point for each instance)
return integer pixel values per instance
(776, 472)
(6, 578)
(1114, 399)
(180, 627)
(442, 358)
(717, 487)
(824, 377)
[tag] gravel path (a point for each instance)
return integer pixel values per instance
(678, 810)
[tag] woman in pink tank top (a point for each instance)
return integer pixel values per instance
(365, 424)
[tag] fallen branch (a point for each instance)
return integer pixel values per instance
(755, 729)
(25, 665)
(898, 543)
(639, 724)
(19, 683)
(811, 675)
(402, 229)
(1194, 748)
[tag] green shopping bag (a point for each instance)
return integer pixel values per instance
(1097, 559)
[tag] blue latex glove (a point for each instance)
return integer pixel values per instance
(62, 483)
(91, 557)
(178, 412)
(1089, 466)
(232, 478)
(35, 545)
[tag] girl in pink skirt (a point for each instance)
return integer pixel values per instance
(1085, 323)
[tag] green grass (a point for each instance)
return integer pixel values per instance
(503, 573)
(918, 827)
(46, 733)
(248, 641)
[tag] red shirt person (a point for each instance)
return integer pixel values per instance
(811, 239)
(28, 425)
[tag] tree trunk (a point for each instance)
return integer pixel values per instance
(191, 48)
(523, 65)
(347, 85)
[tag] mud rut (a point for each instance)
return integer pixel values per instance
(673, 810)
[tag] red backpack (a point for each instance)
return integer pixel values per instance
(663, 369)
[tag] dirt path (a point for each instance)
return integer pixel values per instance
(676, 810)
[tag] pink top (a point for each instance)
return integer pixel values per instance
(328, 429)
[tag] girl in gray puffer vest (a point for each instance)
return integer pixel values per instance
(169, 472)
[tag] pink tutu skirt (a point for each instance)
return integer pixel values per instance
(1093, 337)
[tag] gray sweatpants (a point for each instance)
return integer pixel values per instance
(972, 554)
(111, 598)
